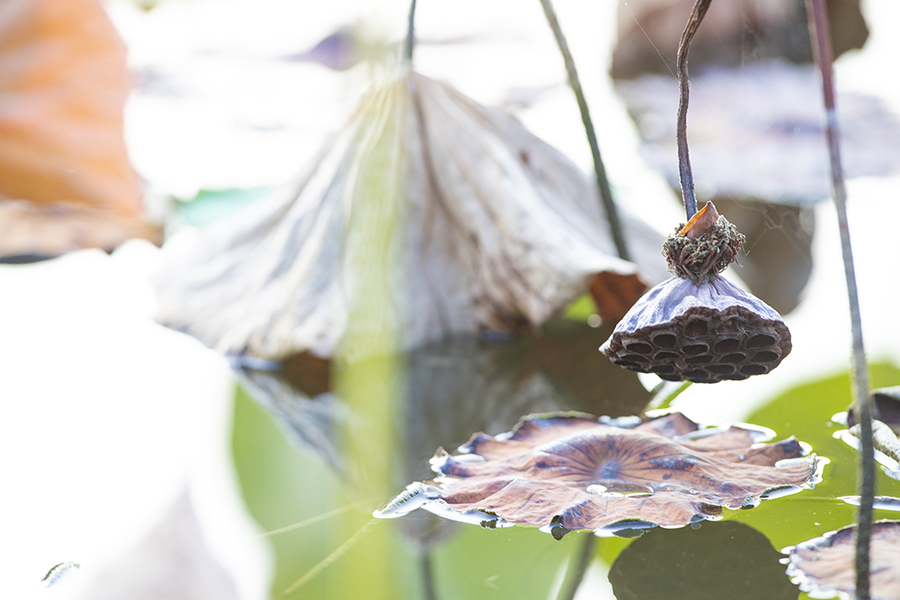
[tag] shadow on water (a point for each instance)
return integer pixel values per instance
(456, 388)
(718, 560)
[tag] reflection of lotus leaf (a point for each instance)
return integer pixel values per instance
(564, 473)
(719, 560)
(824, 566)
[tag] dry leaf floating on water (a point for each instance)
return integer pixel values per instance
(563, 473)
(824, 566)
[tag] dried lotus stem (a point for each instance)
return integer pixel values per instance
(684, 159)
(821, 38)
(410, 34)
(609, 204)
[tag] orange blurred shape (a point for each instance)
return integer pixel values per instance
(63, 86)
(615, 294)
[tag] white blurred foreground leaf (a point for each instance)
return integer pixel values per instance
(107, 420)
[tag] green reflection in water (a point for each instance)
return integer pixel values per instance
(284, 486)
(805, 412)
(505, 563)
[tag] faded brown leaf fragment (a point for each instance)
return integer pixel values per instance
(65, 178)
(825, 565)
(614, 294)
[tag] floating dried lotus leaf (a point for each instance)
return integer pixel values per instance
(885, 442)
(497, 231)
(706, 333)
(719, 560)
(886, 402)
(825, 566)
(563, 473)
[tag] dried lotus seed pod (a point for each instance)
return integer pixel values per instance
(702, 333)
(698, 326)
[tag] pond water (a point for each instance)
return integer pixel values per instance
(295, 470)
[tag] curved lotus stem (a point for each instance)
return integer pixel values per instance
(684, 159)
(609, 204)
(821, 38)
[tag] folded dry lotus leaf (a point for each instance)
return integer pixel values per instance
(563, 473)
(494, 230)
(824, 567)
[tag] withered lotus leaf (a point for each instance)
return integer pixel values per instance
(569, 472)
(885, 442)
(489, 228)
(824, 566)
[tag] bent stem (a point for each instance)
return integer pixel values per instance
(684, 159)
(609, 204)
(821, 37)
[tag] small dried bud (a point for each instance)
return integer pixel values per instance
(704, 333)
(704, 247)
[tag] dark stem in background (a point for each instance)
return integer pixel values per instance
(578, 568)
(821, 39)
(684, 158)
(410, 34)
(609, 205)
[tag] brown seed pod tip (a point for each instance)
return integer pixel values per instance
(704, 247)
